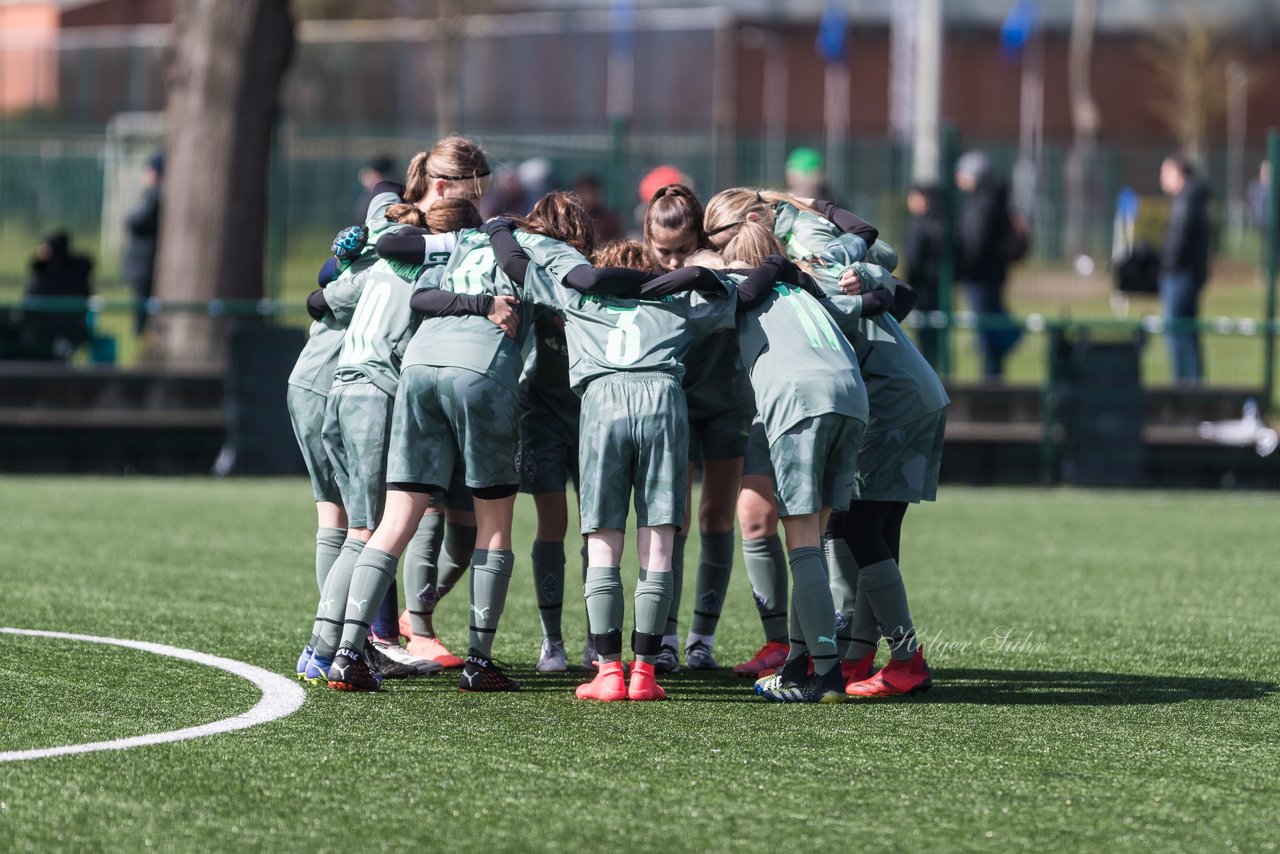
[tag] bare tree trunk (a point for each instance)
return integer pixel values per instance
(227, 64)
(1085, 120)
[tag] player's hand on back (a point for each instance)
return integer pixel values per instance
(505, 314)
(849, 282)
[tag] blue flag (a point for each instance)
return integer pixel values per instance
(1017, 27)
(831, 31)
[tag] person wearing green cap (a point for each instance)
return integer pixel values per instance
(806, 175)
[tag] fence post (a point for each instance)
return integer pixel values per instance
(1273, 269)
(947, 265)
(615, 190)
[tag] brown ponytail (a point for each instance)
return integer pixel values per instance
(674, 207)
(561, 216)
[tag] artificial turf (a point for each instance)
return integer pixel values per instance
(1105, 663)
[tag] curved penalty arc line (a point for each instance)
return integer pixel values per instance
(280, 698)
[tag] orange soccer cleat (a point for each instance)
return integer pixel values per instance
(897, 678)
(858, 670)
(767, 660)
(422, 646)
(405, 625)
(644, 684)
(609, 685)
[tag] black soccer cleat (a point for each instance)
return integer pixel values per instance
(484, 674)
(350, 672)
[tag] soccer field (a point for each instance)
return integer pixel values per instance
(1105, 668)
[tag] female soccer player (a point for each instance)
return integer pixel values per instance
(355, 433)
(720, 411)
(901, 451)
(626, 356)
(454, 168)
(813, 406)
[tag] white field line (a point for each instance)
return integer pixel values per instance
(280, 697)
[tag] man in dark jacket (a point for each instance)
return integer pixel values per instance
(982, 237)
(1184, 265)
(54, 305)
(923, 242)
(143, 223)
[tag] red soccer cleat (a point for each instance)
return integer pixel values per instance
(405, 625)
(897, 678)
(609, 685)
(857, 671)
(768, 659)
(644, 684)
(422, 646)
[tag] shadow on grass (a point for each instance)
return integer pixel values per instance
(987, 687)
(1084, 688)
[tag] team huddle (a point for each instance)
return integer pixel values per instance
(454, 363)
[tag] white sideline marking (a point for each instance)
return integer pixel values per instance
(280, 697)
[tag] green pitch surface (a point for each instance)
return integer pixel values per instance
(1105, 675)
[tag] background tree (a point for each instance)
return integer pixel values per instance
(1188, 60)
(1085, 121)
(224, 80)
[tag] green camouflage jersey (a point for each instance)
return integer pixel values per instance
(610, 335)
(381, 326)
(319, 356)
(800, 364)
(901, 385)
(471, 342)
(546, 370)
(714, 381)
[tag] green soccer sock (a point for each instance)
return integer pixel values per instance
(421, 566)
(812, 606)
(844, 588)
(548, 585)
(715, 564)
(652, 601)
(455, 557)
(327, 630)
(767, 569)
(603, 592)
(881, 585)
(328, 546)
(374, 572)
(677, 585)
(490, 577)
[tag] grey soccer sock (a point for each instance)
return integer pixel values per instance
(548, 585)
(881, 584)
(844, 588)
(715, 564)
(421, 565)
(455, 556)
(374, 572)
(328, 546)
(490, 577)
(811, 604)
(603, 592)
(330, 614)
(652, 600)
(767, 569)
(677, 585)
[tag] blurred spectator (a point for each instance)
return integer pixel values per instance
(806, 175)
(653, 181)
(1184, 263)
(53, 313)
(376, 169)
(505, 196)
(608, 224)
(536, 178)
(143, 223)
(1258, 197)
(983, 239)
(923, 242)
